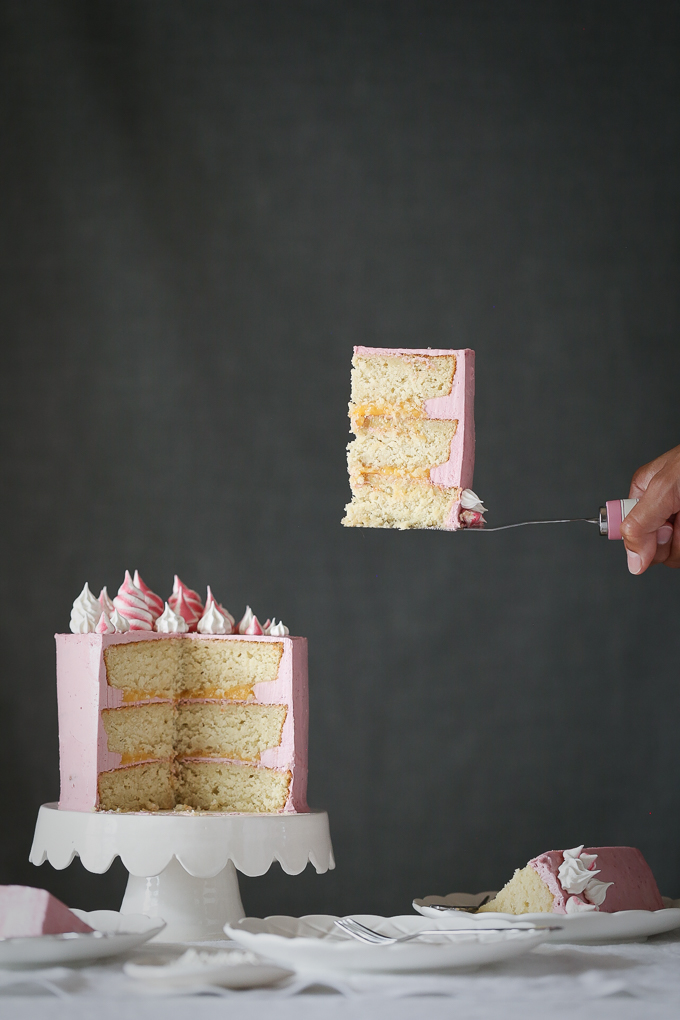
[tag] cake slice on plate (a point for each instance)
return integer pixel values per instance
(606, 878)
(411, 462)
(26, 912)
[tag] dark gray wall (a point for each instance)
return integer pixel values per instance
(204, 206)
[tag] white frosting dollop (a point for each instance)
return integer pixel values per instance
(276, 629)
(85, 613)
(213, 621)
(596, 891)
(170, 622)
(120, 624)
(469, 500)
(575, 905)
(577, 876)
(248, 618)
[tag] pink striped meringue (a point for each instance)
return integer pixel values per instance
(104, 626)
(153, 601)
(186, 602)
(131, 604)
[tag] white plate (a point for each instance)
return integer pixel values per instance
(113, 933)
(595, 926)
(228, 968)
(314, 943)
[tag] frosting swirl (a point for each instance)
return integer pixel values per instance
(469, 500)
(186, 602)
(105, 602)
(170, 622)
(276, 629)
(213, 620)
(131, 604)
(120, 624)
(246, 621)
(254, 627)
(577, 875)
(153, 601)
(105, 626)
(85, 613)
(575, 905)
(225, 612)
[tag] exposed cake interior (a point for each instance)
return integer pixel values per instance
(525, 893)
(405, 414)
(158, 740)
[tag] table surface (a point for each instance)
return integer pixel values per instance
(622, 981)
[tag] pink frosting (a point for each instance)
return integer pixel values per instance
(634, 885)
(26, 912)
(154, 602)
(186, 603)
(82, 693)
(131, 604)
(459, 405)
(254, 627)
(105, 626)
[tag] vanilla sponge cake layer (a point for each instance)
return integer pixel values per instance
(200, 730)
(398, 449)
(191, 669)
(199, 785)
(411, 412)
(262, 717)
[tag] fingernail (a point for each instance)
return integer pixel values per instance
(664, 534)
(634, 562)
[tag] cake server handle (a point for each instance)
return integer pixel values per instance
(609, 520)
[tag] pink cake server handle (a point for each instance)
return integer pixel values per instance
(611, 515)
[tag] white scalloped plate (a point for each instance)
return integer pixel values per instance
(595, 926)
(314, 943)
(113, 933)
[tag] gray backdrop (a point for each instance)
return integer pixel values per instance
(204, 206)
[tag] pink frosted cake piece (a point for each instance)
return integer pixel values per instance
(412, 458)
(581, 880)
(27, 912)
(164, 706)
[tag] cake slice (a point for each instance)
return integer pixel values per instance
(412, 415)
(606, 878)
(26, 912)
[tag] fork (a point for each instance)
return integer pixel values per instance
(375, 938)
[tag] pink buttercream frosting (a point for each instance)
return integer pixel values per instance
(458, 405)
(131, 604)
(633, 885)
(83, 692)
(186, 602)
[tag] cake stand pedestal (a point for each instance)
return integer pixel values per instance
(183, 866)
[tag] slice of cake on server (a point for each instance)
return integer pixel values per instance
(171, 706)
(412, 459)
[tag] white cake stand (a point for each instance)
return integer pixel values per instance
(183, 866)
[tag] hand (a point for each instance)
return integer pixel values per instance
(651, 531)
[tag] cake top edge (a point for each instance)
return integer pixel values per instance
(151, 635)
(432, 352)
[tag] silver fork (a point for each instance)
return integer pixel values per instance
(375, 938)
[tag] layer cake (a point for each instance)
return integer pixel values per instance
(412, 458)
(167, 717)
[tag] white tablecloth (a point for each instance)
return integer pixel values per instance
(628, 980)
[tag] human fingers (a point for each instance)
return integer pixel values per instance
(673, 558)
(644, 474)
(658, 502)
(664, 544)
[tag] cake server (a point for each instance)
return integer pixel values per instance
(608, 520)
